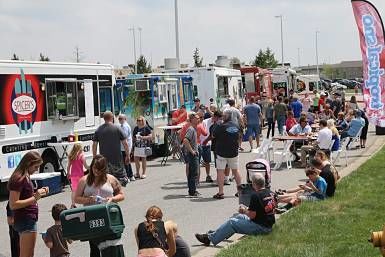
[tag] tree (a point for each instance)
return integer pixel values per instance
(330, 72)
(142, 66)
(15, 57)
(265, 59)
(44, 58)
(197, 59)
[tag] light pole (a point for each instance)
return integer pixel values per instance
(316, 50)
(177, 33)
(140, 41)
(299, 58)
(133, 35)
(281, 17)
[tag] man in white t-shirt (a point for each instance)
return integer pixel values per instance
(323, 142)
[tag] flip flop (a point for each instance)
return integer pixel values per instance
(219, 196)
(143, 176)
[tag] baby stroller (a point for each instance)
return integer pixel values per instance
(260, 166)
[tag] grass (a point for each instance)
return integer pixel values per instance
(335, 227)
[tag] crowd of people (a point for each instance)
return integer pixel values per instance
(205, 132)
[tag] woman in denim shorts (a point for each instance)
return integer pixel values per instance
(23, 201)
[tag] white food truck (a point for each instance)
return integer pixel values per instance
(284, 80)
(218, 83)
(45, 104)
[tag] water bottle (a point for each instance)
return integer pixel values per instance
(99, 199)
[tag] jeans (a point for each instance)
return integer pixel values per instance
(281, 122)
(94, 249)
(193, 166)
(270, 127)
(127, 167)
(241, 224)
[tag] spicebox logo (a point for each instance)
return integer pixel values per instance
(24, 105)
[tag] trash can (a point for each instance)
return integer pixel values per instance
(101, 223)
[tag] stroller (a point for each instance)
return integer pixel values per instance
(245, 190)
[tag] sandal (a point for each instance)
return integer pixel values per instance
(137, 175)
(219, 196)
(143, 176)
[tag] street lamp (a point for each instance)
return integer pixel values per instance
(281, 17)
(177, 33)
(140, 41)
(316, 50)
(133, 35)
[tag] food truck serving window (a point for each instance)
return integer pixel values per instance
(62, 99)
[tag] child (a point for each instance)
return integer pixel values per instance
(182, 248)
(76, 162)
(53, 239)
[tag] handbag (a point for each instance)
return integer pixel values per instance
(142, 151)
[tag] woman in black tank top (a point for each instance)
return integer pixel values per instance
(154, 237)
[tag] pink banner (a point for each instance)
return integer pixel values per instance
(371, 32)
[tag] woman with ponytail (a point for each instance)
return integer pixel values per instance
(154, 237)
(23, 201)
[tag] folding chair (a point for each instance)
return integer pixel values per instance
(285, 155)
(355, 139)
(342, 150)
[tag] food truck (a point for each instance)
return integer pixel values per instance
(284, 80)
(44, 105)
(154, 96)
(257, 82)
(306, 84)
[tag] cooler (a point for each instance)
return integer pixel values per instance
(51, 180)
(99, 222)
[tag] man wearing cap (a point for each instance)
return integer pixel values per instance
(197, 105)
(296, 106)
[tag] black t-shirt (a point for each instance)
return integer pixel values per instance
(145, 131)
(109, 137)
(327, 174)
(226, 139)
(211, 131)
(263, 203)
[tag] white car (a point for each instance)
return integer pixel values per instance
(337, 85)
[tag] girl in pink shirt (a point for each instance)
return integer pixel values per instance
(75, 168)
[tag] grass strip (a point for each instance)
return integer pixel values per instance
(336, 227)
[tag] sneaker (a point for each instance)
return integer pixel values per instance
(209, 179)
(236, 194)
(203, 238)
(195, 195)
(132, 178)
(280, 210)
(227, 182)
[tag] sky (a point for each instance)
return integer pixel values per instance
(238, 28)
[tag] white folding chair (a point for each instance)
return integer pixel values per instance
(341, 150)
(262, 151)
(355, 139)
(285, 155)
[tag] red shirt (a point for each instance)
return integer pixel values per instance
(178, 117)
(290, 122)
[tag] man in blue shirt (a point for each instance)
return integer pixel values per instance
(355, 126)
(297, 107)
(253, 115)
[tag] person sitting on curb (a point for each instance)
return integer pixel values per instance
(313, 190)
(258, 218)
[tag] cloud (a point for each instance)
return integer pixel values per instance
(235, 28)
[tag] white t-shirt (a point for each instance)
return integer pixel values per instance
(207, 123)
(324, 138)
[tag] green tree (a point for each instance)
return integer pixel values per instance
(44, 58)
(265, 59)
(197, 59)
(142, 66)
(330, 72)
(15, 57)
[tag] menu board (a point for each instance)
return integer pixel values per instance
(89, 103)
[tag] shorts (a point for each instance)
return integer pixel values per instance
(25, 225)
(308, 198)
(252, 131)
(206, 153)
(231, 162)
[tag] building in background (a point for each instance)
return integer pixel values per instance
(344, 70)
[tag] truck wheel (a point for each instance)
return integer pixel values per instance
(50, 164)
